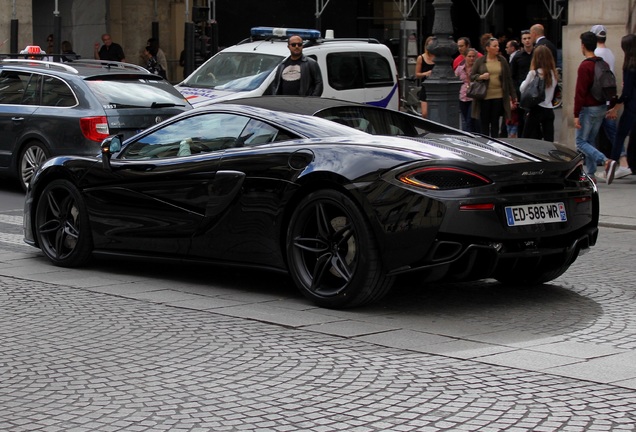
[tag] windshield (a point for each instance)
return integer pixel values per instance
(136, 93)
(234, 71)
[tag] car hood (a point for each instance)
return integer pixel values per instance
(198, 96)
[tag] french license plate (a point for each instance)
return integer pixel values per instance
(530, 214)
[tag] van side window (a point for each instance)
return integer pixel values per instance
(345, 71)
(377, 71)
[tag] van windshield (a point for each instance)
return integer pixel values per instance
(234, 71)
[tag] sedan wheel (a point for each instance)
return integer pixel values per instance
(332, 255)
(61, 225)
(30, 160)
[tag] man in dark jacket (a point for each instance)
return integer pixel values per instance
(297, 75)
(538, 38)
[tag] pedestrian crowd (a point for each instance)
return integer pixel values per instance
(513, 70)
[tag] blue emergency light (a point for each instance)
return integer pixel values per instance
(280, 32)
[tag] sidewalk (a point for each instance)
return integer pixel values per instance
(618, 203)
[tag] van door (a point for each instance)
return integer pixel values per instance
(365, 77)
(380, 83)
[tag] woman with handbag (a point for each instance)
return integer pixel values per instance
(423, 69)
(539, 122)
(500, 96)
(469, 124)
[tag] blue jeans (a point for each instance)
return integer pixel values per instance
(590, 118)
(625, 124)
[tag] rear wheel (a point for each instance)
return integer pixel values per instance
(61, 225)
(31, 157)
(332, 255)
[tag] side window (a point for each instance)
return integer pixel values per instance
(256, 132)
(345, 71)
(13, 86)
(32, 90)
(198, 134)
(377, 70)
(56, 93)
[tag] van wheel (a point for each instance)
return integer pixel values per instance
(31, 157)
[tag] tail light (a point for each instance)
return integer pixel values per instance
(443, 178)
(94, 128)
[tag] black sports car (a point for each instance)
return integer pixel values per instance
(343, 212)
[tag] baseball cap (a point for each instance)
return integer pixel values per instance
(599, 30)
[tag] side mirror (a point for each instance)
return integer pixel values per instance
(110, 146)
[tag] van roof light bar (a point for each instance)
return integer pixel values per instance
(283, 33)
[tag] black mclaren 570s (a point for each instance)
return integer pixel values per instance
(342, 212)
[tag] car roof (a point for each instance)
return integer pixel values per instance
(79, 68)
(306, 105)
(278, 46)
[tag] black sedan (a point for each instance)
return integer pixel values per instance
(341, 211)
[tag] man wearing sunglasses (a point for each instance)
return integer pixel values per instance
(297, 75)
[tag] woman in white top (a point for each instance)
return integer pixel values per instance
(539, 121)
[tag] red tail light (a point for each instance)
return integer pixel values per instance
(94, 128)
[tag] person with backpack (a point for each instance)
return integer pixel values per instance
(589, 110)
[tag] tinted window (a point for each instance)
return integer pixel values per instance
(135, 93)
(13, 86)
(376, 121)
(345, 71)
(201, 134)
(377, 71)
(32, 91)
(56, 93)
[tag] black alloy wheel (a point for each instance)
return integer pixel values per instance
(61, 225)
(332, 254)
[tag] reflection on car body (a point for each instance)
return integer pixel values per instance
(341, 211)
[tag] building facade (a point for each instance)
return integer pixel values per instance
(132, 22)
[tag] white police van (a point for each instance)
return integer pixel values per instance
(358, 70)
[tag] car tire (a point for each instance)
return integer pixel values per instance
(332, 254)
(31, 157)
(62, 226)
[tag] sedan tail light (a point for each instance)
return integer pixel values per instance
(94, 128)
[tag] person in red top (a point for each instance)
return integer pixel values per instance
(589, 112)
(463, 46)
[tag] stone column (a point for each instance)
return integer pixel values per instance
(442, 88)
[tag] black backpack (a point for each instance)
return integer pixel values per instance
(604, 85)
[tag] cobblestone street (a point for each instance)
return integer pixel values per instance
(120, 346)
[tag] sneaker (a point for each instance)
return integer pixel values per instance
(622, 172)
(610, 170)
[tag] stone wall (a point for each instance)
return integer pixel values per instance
(582, 15)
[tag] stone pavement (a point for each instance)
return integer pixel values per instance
(120, 346)
(618, 202)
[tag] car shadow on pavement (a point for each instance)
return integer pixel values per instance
(548, 308)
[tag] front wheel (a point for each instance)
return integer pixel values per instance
(61, 225)
(332, 254)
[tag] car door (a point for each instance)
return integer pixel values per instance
(163, 185)
(19, 98)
